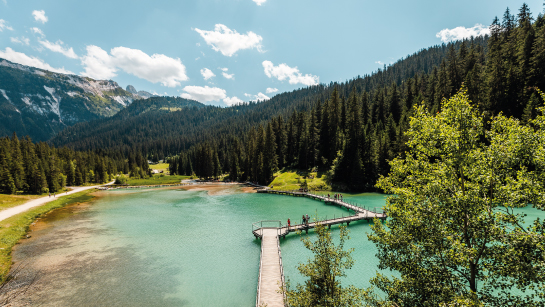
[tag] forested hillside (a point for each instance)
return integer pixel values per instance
(352, 129)
(39, 168)
(162, 134)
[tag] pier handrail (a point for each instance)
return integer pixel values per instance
(258, 296)
(281, 270)
(257, 227)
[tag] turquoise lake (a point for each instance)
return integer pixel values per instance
(172, 247)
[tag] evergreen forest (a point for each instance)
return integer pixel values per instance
(26, 167)
(351, 130)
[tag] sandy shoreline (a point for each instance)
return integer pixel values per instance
(219, 188)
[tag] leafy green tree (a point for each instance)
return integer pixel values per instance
(323, 287)
(452, 232)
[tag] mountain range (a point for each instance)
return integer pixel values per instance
(41, 103)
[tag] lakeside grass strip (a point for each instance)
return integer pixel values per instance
(8, 200)
(13, 229)
(157, 180)
(292, 179)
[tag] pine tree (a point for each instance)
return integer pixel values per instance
(271, 160)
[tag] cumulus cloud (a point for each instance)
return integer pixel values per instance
(39, 16)
(37, 31)
(283, 72)
(20, 40)
(259, 2)
(271, 90)
(21, 58)
(3, 26)
(203, 94)
(260, 96)
(207, 73)
(228, 41)
(458, 33)
(59, 47)
(98, 64)
(231, 101)
(156, 68)
(226, 75)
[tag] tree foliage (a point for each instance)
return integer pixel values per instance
(323, 286)
(453, 232)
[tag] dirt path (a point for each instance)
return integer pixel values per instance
(4, 214)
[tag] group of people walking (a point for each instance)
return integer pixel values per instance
(338, 196)
(306, 219)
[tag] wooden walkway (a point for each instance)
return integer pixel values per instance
(271, 275)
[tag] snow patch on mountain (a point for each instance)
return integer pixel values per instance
(4, 94)
(123, 100)
(56, 103)
(26, 100)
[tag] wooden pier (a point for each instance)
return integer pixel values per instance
(271, 274)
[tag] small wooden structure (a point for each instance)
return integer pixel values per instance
(271, 272)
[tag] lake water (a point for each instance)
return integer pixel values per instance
(171, 247)
(167, 247)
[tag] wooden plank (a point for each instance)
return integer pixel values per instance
(270, 278)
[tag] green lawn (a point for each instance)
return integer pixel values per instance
(16, 227)
(159, 166)
(293, 180)
(157, 179)
(8, 201)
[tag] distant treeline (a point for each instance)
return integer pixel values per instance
(39, 168)
(360, 125)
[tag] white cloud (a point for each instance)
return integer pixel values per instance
(271, 90)
(228, 76)
(203, 94)
(37, 31)
(259, 96)
(21, 58)
(259, 2)
(228, 41)
(39, 16)
(458, 33)
(207, 73)
(283, 72)
(98, 64)
(379, 63)
(4, 26)
(225, 74)
(58, 47)
(156, 68)
(230, 101)
(22, 40)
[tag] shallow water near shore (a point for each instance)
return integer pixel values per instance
(173, 247)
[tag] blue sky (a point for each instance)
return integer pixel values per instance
(225, 51)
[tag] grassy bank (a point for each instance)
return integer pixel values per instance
(8, 200)
(158, 179)
(16, 227)
(159, 166)
(294, 179)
